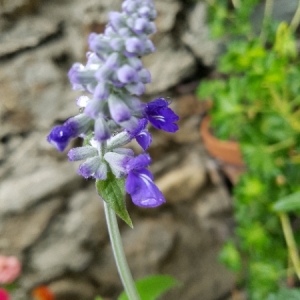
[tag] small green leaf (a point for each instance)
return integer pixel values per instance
(285, 294)
(151, 287)
(288, 203)
(98, 298)
(112, 191)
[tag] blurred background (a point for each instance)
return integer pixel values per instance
(50, 217)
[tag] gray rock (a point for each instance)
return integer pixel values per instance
(166, 15)
(19, 193)
(19, 232)
(17, 7)
(71, 239)
(27, 33)
(196, 37)
(195, 265)
(183, 182)
(72, 289)
(148, 245)
(170, 64)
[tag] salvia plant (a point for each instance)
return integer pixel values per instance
(111, 115)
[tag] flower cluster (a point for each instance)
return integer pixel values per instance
(112, 80)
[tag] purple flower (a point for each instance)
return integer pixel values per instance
(60, 137)
(139, 183)
(161, 116)
(142, 136)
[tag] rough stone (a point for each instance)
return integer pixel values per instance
(152, 239)
(70, 289)
(19, 232)
(197, 267)
(27, 33)
(166, 15)
(17, 194)
(197, 36)
(17, 7)
(170, 64)
(183, 182)
(72, 238)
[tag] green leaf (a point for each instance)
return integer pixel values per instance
(288, 203)
(286, 294)
(230, 256)
(98, 298)
(112, 191)
(151, 287)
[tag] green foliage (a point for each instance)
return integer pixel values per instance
(289, 203)
(112, 191)
(150, 288)
(256, 100)
(285, 294)
(230, 256)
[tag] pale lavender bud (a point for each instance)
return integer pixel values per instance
(140, 25)
(103, 73)
(118, 109)
(130, 22)
(78, 74)
(116, 20)
(101, 91)
(98, 43)
(130, 124)
(81, 153)
(79, 124)
(125, 32)
(118, 162)
(135, 63)
(129, 6)
(93, 108)
(144, 11)
(127, 74)
(102, 132)
(149, 47)
(113, 61)
(137, 88)
(118, 140)
(144, 76)
(89, 167)
(134, 45)
(151, 28)
(101, 172)
(117, 44)
(133, 103)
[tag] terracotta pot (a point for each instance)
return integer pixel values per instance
(225, 151)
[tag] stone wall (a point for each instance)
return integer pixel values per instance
(50, 217)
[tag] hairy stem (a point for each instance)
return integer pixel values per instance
(290, 241)
(118, 251)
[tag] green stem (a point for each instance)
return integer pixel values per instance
(296, 19)
(118, 251)
(290, 241)
(267, 16)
